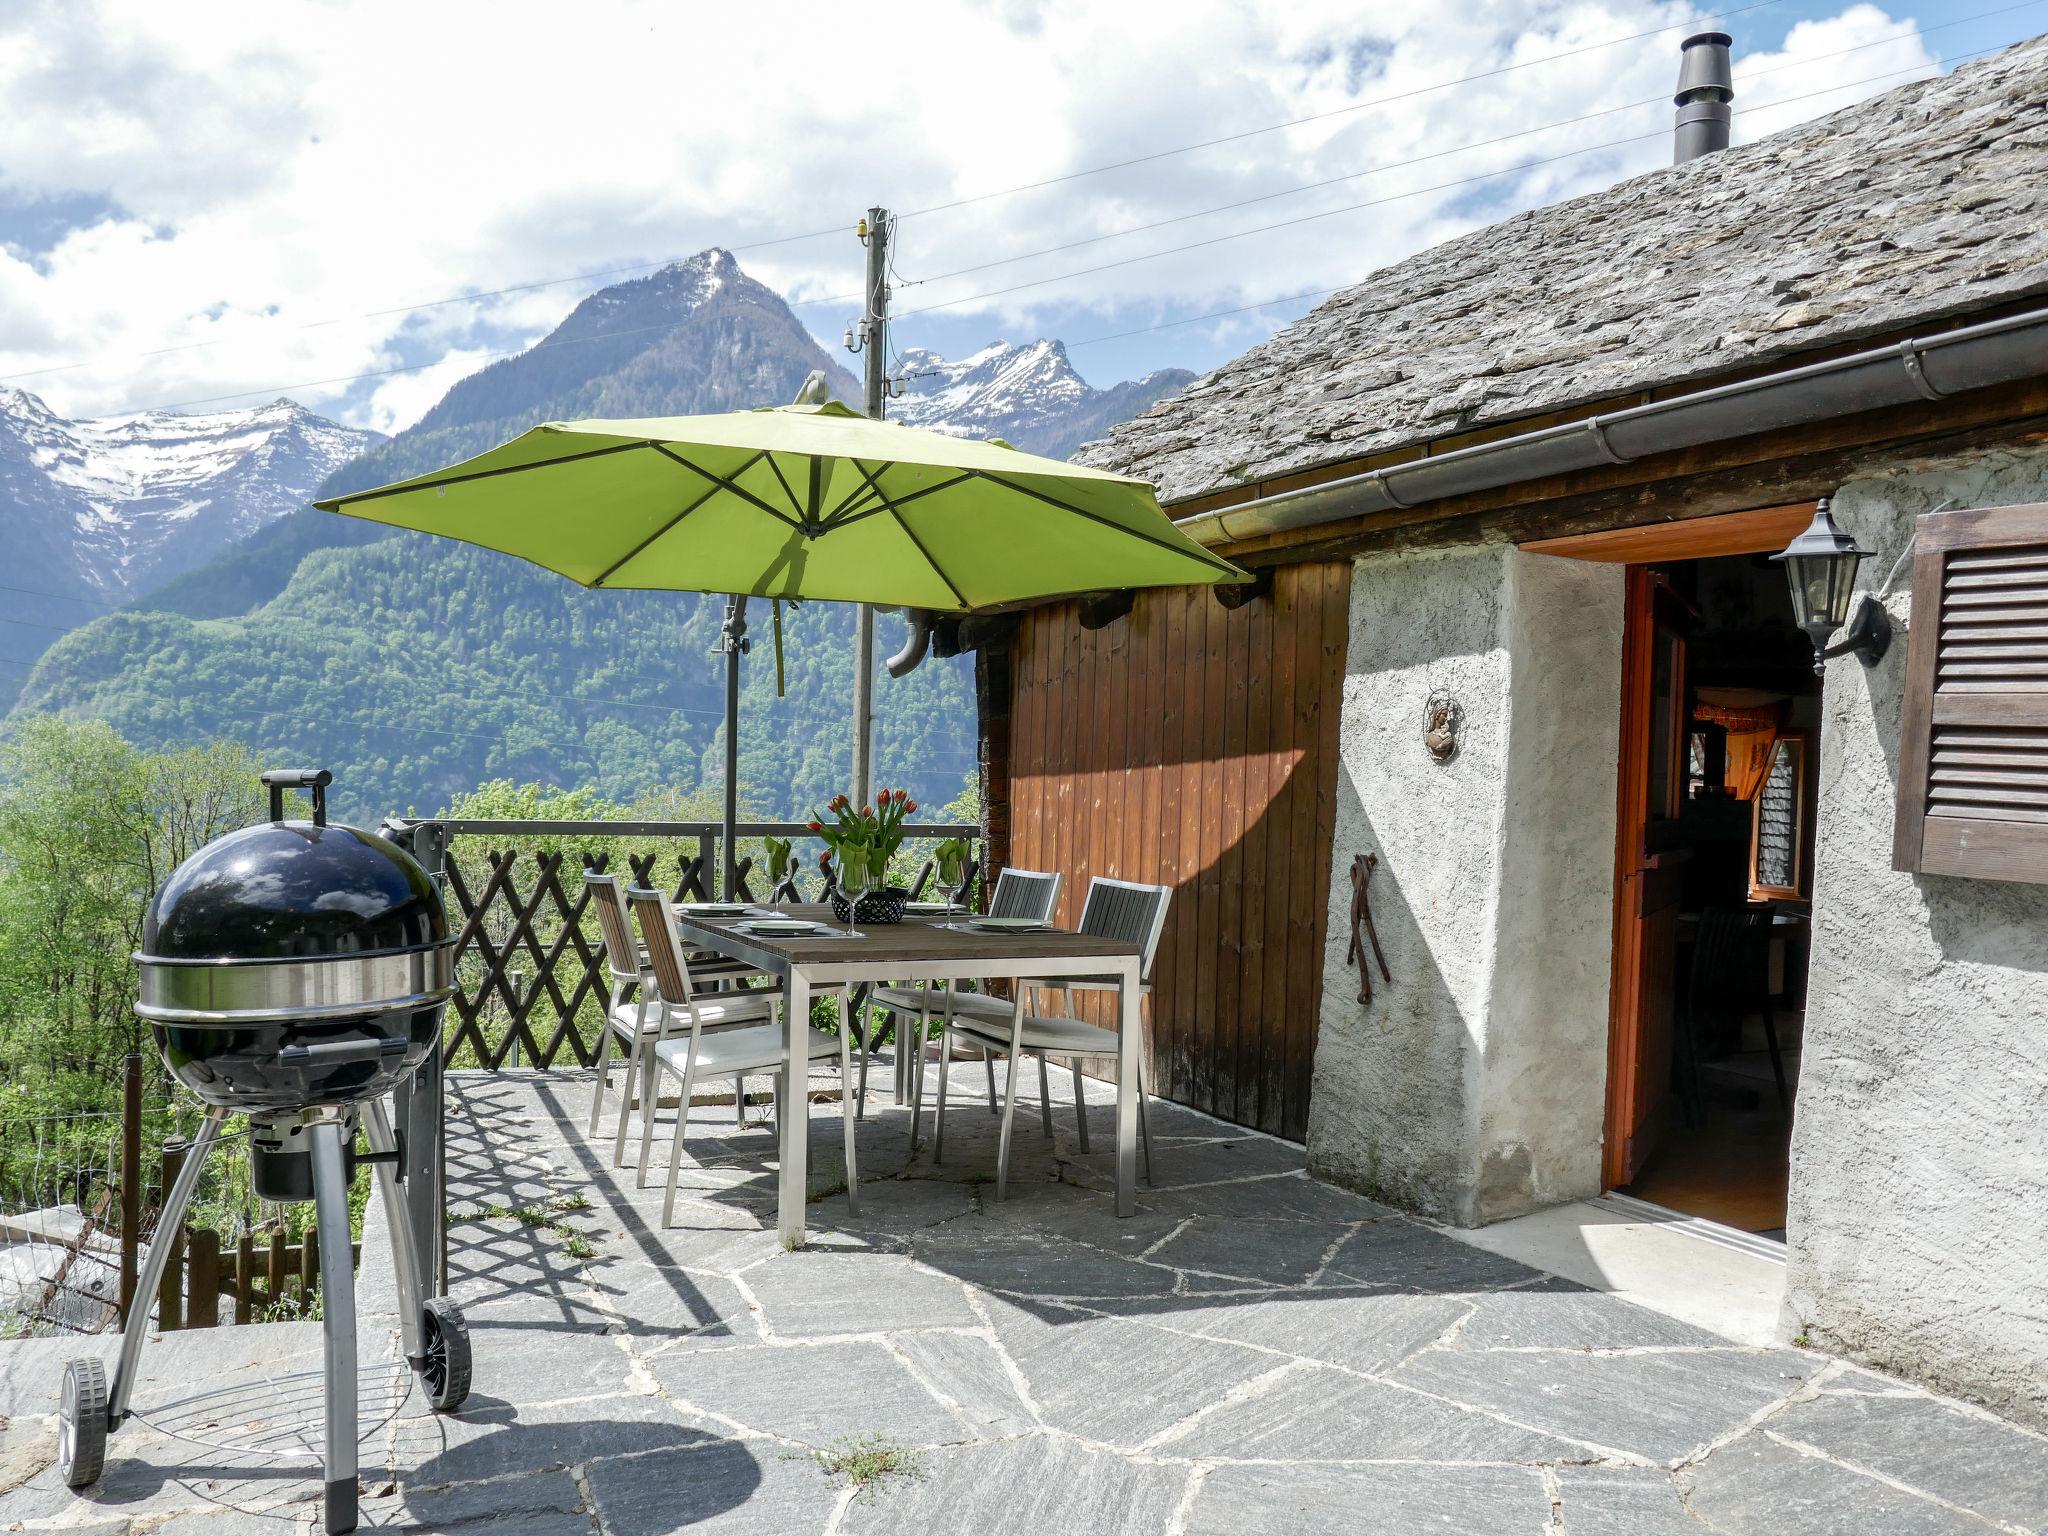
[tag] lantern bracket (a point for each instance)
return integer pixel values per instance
(1867, 635)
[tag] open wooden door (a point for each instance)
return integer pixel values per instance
(1647, 874)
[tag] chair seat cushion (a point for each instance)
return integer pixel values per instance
(911, 999)
(1042, 1032)
(714, 1009)
(755, 1049)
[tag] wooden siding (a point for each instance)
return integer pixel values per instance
(1196, 747)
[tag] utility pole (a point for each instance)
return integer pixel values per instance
(874, 341)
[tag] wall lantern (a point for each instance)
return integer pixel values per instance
(1821, 566)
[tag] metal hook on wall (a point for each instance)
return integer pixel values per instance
(1362, 929)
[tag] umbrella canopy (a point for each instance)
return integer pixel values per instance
(803, 501)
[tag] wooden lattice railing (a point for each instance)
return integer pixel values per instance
(531, 980)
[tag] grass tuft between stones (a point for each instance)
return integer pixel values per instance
(870, 1463)
(544, 1218)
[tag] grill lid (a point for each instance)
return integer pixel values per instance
(294, 890)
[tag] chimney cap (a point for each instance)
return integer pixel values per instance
(1703, 65)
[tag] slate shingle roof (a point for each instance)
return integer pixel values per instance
(1926, 202)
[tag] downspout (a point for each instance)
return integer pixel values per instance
(1923, 368)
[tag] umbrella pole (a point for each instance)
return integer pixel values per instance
(734, 644)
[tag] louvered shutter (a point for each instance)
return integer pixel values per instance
(1973, 747)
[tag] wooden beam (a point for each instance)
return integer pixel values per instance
(1777, 481)
(1693, 538)
(1795, 464)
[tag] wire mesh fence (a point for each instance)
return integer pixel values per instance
(60, 1225)
(74, 1234)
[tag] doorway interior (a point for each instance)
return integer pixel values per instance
(1714, 860)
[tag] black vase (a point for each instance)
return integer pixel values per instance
(879, 906)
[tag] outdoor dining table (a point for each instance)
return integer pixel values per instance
(918, 949)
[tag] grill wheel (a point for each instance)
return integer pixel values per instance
(82, 1422)
(445, 1337)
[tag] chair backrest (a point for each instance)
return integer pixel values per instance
(664, 945)
(1731, 960)
(1028, 893)
(1132, 913)
(621, 954)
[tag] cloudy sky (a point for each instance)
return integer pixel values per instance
(218, 204)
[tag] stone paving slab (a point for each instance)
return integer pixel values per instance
(1291, 1501)
(1253, 1352)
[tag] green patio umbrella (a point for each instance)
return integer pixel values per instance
(810, 501)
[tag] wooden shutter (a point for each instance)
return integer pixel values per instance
(1973, 745)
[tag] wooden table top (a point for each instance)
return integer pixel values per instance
(916, 939)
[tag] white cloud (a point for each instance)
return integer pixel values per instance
(279, 169)
(404, 398)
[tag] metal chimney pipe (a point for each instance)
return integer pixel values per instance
(1706, 85)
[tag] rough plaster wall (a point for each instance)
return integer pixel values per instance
(1542, 1109)
(1919, 1194)
(1392, 1108)
(1470, 1088)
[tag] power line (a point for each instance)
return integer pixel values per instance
(1392, 197)
(65, 597)
(1324, 293)
(489, 357)
(1317, 117)
(981, 197)
(1660, 99)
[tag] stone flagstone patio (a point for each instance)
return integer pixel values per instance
(1254, 1352)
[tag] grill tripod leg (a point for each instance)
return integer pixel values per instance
(405, 1259)
(168, 1221)
(338, 1329)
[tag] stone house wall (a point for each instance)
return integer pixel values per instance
(1472, 1087)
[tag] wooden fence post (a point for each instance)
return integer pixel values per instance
(274, 1270)
(202, 1285)
(170, 1291)
(309, 1269)
(131, 1179)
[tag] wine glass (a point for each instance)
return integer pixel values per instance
(857, 877)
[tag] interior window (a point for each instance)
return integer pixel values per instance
(1778, 833)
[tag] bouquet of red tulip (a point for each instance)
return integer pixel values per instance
(865, 839)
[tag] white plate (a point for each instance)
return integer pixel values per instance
(783, 930)
(1008, 924)
(933, 908)
(716, 908)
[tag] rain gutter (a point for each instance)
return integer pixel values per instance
(1922, 368)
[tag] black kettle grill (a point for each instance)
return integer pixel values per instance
(295, 972)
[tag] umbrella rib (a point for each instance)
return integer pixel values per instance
(1053, 501)
(903, 501)
(637, 550)
(476, 474)
(854, 497)
(725, 484)
(895, 510)
(930, 559)
(781, 479)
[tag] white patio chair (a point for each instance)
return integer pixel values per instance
(634, 1024)
(1115, 909)
(1025, 893)
(705, 1052)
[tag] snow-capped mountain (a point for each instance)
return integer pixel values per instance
(130, 501)
(1029, 396)
(94, 513)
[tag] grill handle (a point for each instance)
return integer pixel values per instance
(278, 780)
(332, 1052)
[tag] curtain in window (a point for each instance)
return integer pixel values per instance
(1752, 731)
